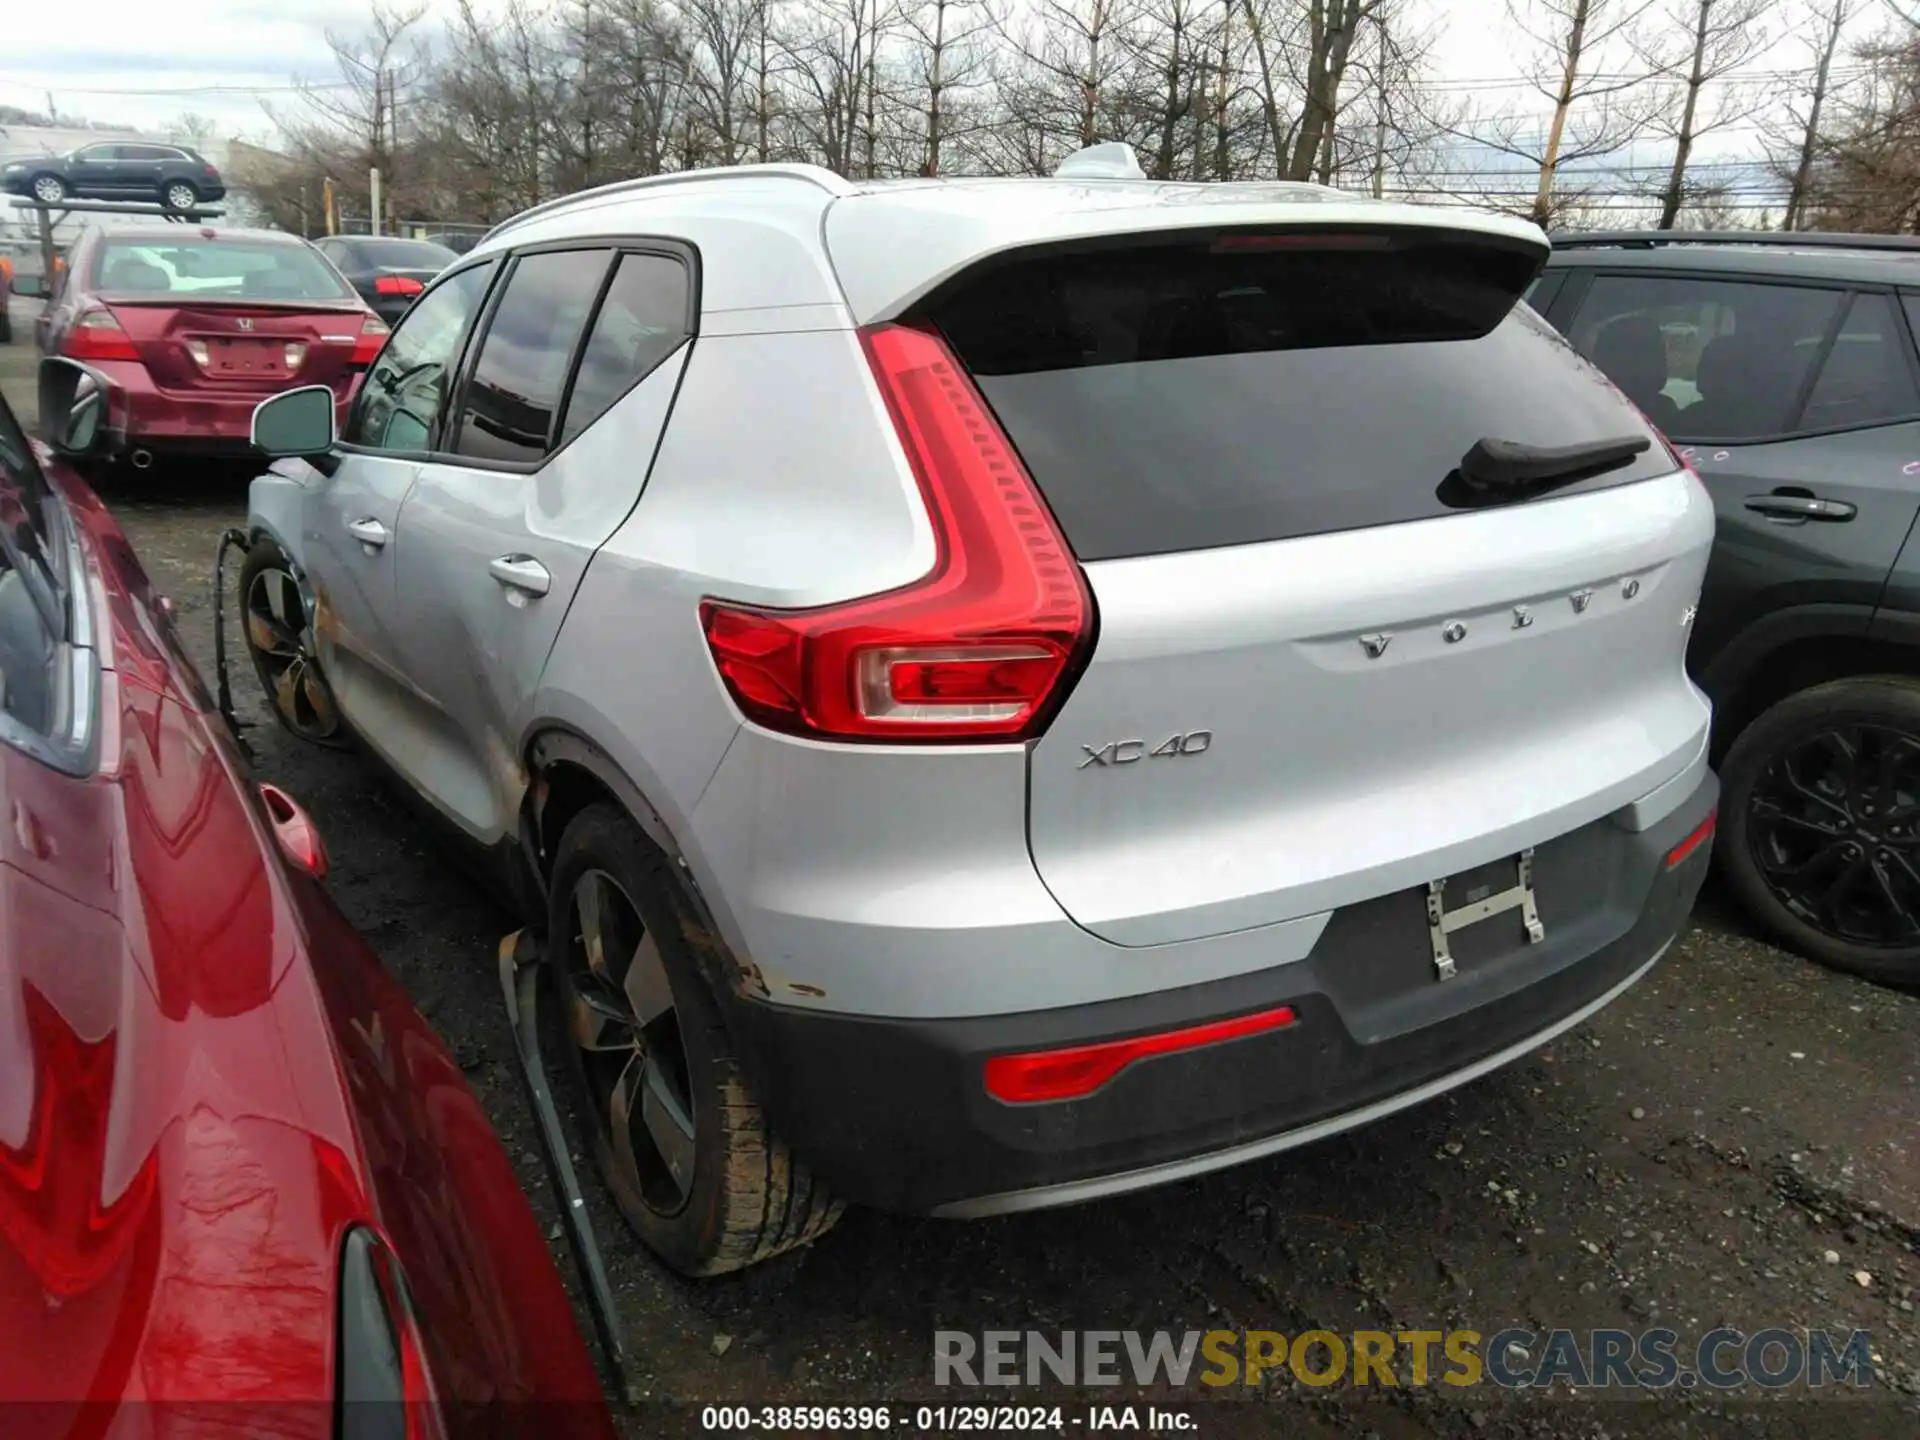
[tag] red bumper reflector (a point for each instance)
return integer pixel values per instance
(1079, 1071)
(1702, 833)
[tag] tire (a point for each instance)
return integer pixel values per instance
(179, 195)
(1790, 792)
(739, 1196)
(315, 715)
(6, 323)
(48, 189)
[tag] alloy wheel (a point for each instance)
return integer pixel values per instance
(49, 190)
(1834, 820)
(182, 197)
(277, 634)
(620, 1017)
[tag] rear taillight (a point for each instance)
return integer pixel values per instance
(984, 647)
(1036, 1076)
(373, 335)
(1700, 835)
(382, 1384)
(96, 335)
(397, 285)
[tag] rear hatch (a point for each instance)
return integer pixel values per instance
(241, 346)
(1328, 666)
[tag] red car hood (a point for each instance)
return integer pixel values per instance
(177, 1165)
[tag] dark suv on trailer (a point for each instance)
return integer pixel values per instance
(169, 175)
(1784, 368)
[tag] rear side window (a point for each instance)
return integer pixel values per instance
(1866, 378)
(1230, 390)
(642, 321)
(1708, 359)
(521, 376)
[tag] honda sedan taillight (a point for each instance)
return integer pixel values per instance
(984, 647)
(373, 335)
(96, 335)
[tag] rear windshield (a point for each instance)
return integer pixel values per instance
(1235, 389)
(402, 254)
(216, 270)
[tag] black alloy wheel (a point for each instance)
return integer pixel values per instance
(1822, 832)
(280, 643)
(620, 1017)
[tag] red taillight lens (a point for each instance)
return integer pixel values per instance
(1071, 1074)
(397, 285)
(373, 335)
(1702, 833)
(984, 647)
(96, 335)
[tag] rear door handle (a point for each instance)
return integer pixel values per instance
(522, 573)
(1800, 507)
(368, 531)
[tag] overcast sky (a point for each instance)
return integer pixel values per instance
(143, 62)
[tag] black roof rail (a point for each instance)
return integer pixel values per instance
(1791, 239)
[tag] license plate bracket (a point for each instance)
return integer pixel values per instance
(1442, 922)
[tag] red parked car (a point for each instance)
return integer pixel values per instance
(196, 326)
(244, 1189)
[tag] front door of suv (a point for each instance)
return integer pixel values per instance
(534, 476)
(1799, 407)
(350, 518)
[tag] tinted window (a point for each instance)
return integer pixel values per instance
(399, 406)
(1707, 359)
(1866, 378)
(641, 322)
(216, 270)
(521, 375)
(146, 152)
(1179, 397)
(397, 254)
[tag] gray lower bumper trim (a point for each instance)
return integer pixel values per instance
(1099, 1187)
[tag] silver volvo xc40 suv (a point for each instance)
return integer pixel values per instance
(1000, 693)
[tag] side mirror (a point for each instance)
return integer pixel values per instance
(34, 287)
(75, 408)
(295, 422)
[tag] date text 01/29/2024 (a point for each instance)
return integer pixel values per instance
(944, 1419)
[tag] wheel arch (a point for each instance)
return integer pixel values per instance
(566, 773)
(1790, 650)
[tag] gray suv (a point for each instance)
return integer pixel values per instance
(1784, 367)
(1001, 693)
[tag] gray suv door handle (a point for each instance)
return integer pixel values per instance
(1800, 507)
(368, 531)
(522, 573)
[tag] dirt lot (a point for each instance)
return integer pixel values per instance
(1691, 1158)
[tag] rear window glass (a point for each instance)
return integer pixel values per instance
(216, 270)
(399, 254)
(1185, 396)
(1866, 378)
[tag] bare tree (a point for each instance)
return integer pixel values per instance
(1066, 64)
(1795, 153)
(1331, 26)
(1700, 44)
(944, 62)
(358, 117)
(1568, 46)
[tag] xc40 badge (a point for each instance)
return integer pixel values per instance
(1126, 752)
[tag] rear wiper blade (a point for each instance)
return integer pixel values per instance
(1496, 464)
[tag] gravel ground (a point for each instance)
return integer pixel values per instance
(1735, 1142)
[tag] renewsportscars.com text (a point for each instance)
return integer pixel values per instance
(1722, 1359)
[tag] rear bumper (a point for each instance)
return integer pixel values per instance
(894, 1113)
(219, 423)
